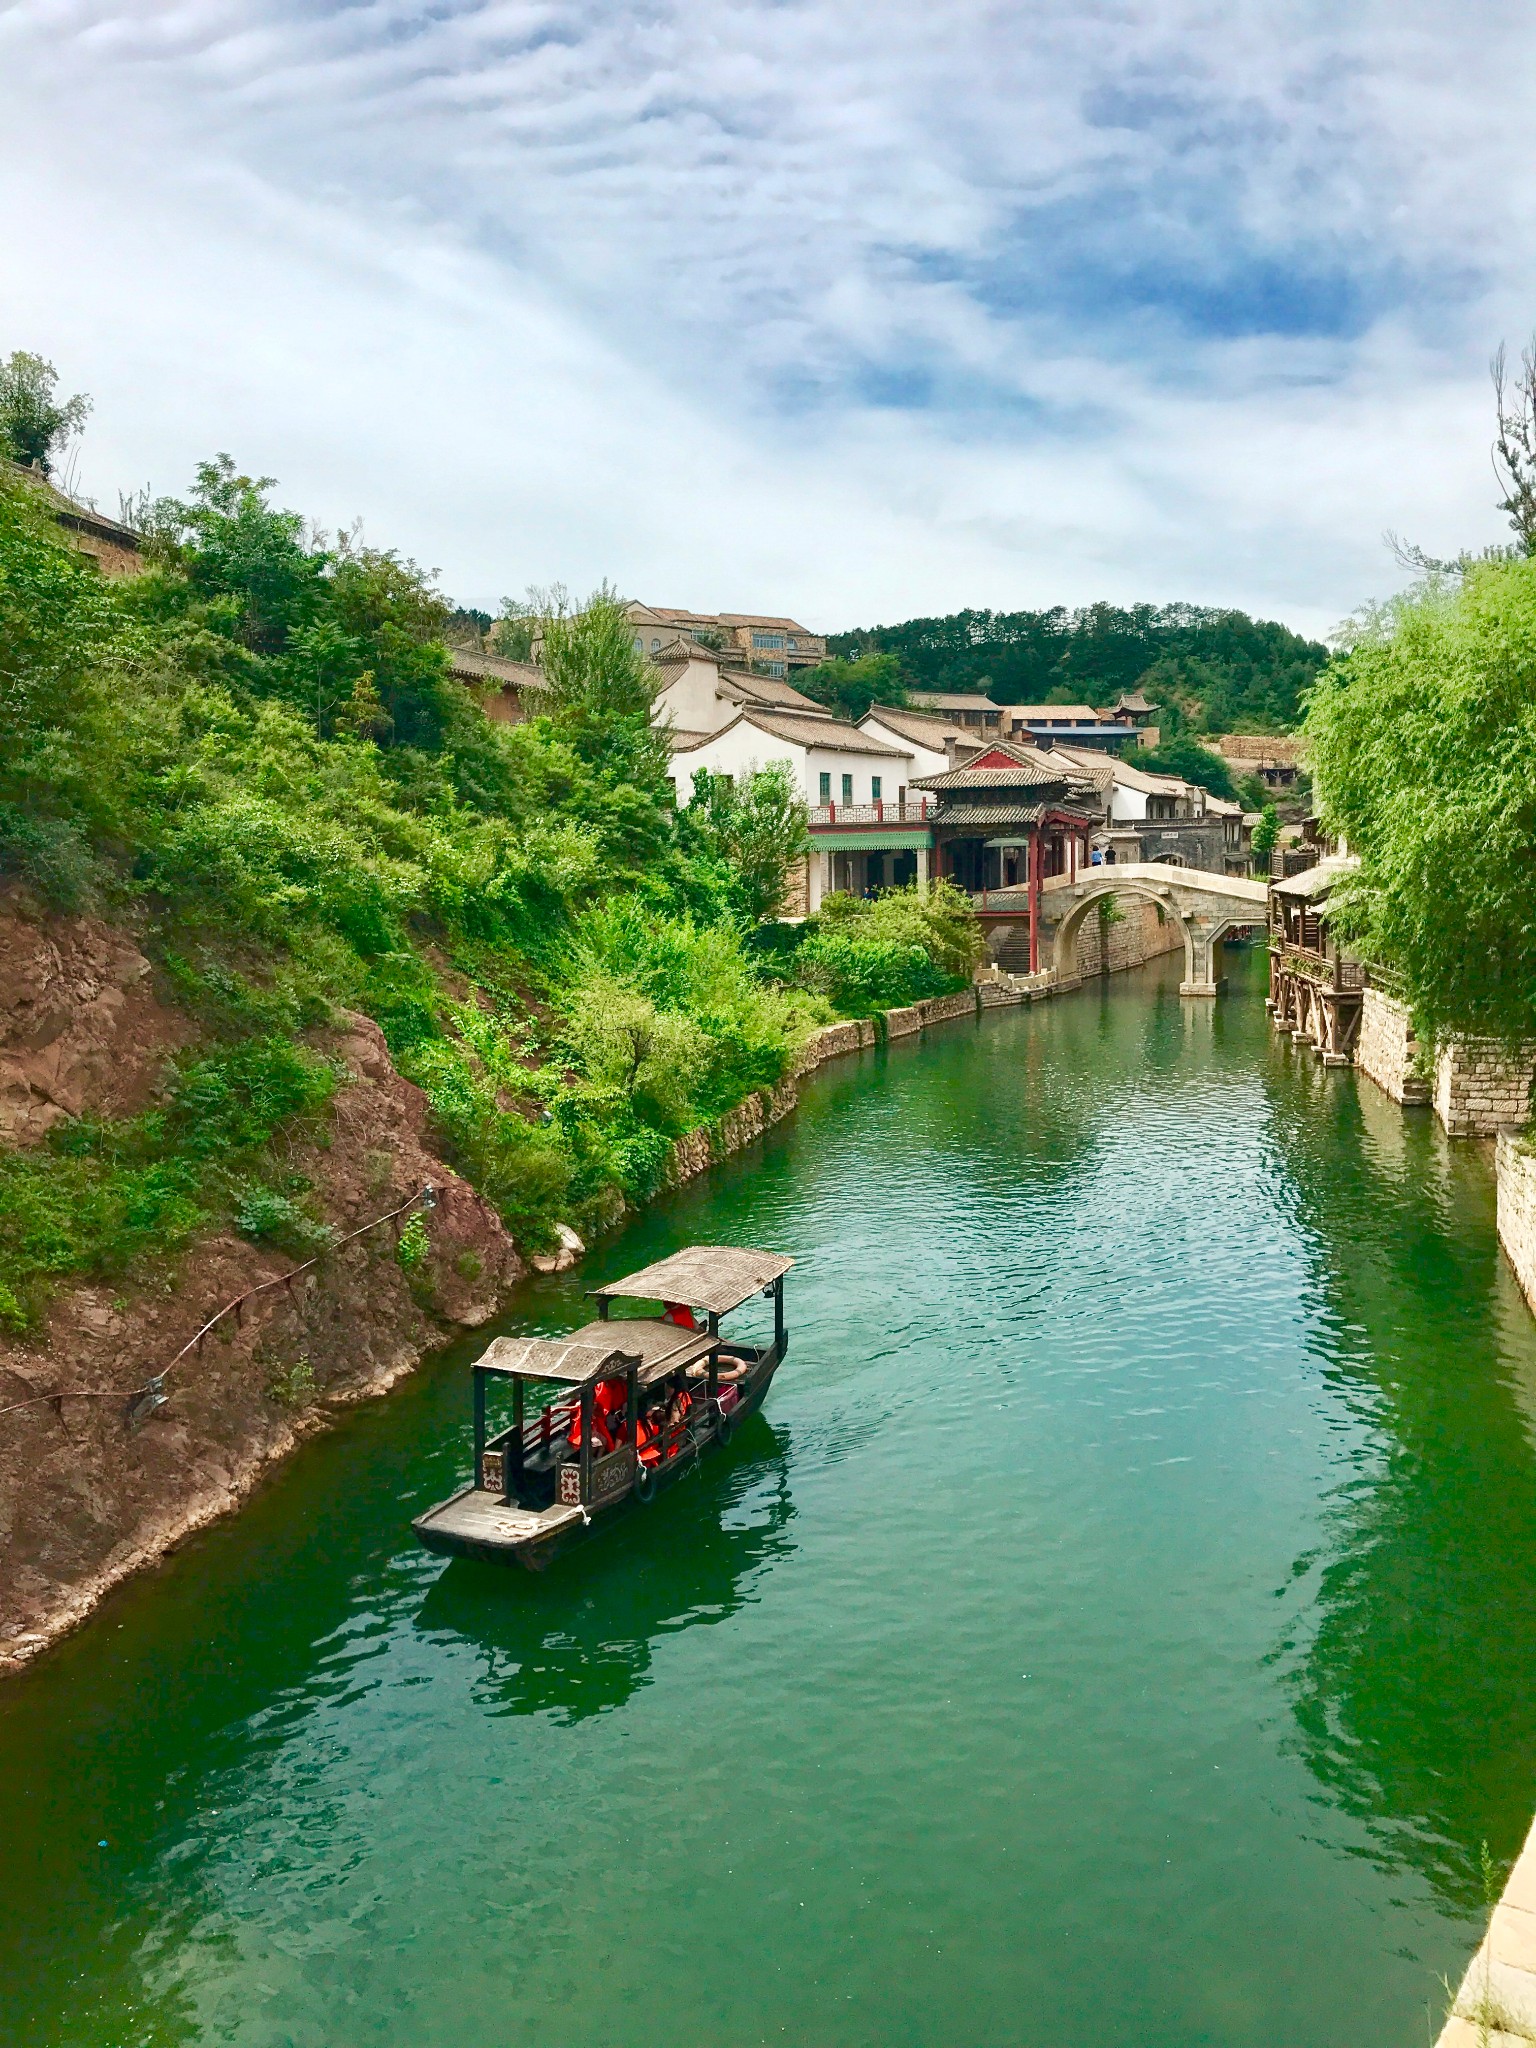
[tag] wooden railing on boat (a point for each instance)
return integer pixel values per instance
(551, 1428)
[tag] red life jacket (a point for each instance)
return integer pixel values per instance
(609, 1399)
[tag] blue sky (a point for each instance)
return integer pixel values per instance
(843, 310)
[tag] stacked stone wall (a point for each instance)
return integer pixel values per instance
(1480, 1085)
(1516, 1173)
(797, 888)
(1387, 1049)
(1137, 937)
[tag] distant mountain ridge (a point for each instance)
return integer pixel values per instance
(1217, 670)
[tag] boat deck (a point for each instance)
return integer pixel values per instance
(476, 1517)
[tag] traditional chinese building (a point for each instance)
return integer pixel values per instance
(1012, 815)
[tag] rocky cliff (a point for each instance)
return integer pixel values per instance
(85, 1498)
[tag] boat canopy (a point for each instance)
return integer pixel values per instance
(660, 1347)
(596, 1353)
(599, 1351)
(714, 1277)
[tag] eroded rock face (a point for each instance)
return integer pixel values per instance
(85, 1499)
(80, 1025)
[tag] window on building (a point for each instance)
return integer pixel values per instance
(767, 639)
(875, 785)
(790, 643)
(826, 789)
(847, 789)
(771, 668)
(639, 645)
(655, 643)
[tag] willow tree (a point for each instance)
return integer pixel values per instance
(35, 423)
(1423, 740)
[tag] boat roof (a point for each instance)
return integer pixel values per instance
(599, 1351)
(715, 1277)
(660, 1346)
(590, 1354)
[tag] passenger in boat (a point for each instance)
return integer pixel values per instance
(647, 1430)
(677, 1409)
(680, 1313)
(609, 1400)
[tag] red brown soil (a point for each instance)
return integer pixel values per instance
(85, 1500)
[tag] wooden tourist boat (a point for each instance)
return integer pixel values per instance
(613, 1412)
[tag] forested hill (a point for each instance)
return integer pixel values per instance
(1221, 669)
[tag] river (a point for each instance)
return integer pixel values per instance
(1117, 1629)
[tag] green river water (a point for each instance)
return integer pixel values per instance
(1117, 1629)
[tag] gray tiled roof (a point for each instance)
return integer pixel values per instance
(494, 668)
(743, 688)
(805, 731)
(989, 814)
(1027, 770)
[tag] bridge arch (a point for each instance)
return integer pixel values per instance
(1069, 929)
(1205, 906)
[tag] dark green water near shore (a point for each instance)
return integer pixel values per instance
(1117, 1630)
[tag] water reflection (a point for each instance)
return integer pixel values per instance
(579, 1641)
(1410, 1690)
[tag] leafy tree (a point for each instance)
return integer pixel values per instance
(246, 562)
(1514, 447)
(1184, 756)
(1227, 672)
(756, 826)
(851, 686)
(512, 632)
(1253, 793)
(34, 424)
(602, 692)
(1266, 836)
(1423, 742)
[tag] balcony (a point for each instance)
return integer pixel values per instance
(916, 811)
(1346, 977)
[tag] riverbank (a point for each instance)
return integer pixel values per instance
(85, 1501)
(1481, 1091)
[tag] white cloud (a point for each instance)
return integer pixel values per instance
(1195, 300)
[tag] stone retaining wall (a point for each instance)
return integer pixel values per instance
(699, 1149)
(1140, 935)
(1387, 1049)
(1480, 1086)
(1496, 2005)
(1516, 1173)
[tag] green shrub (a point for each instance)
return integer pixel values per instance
(98, 1198)
(290, 1386)
(413, 1244)
(899, 949)
(258, 746)
(266, 1216)
(862, 975)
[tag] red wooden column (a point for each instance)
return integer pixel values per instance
(1034, 899)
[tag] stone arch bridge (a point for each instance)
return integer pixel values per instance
(1204, 905)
